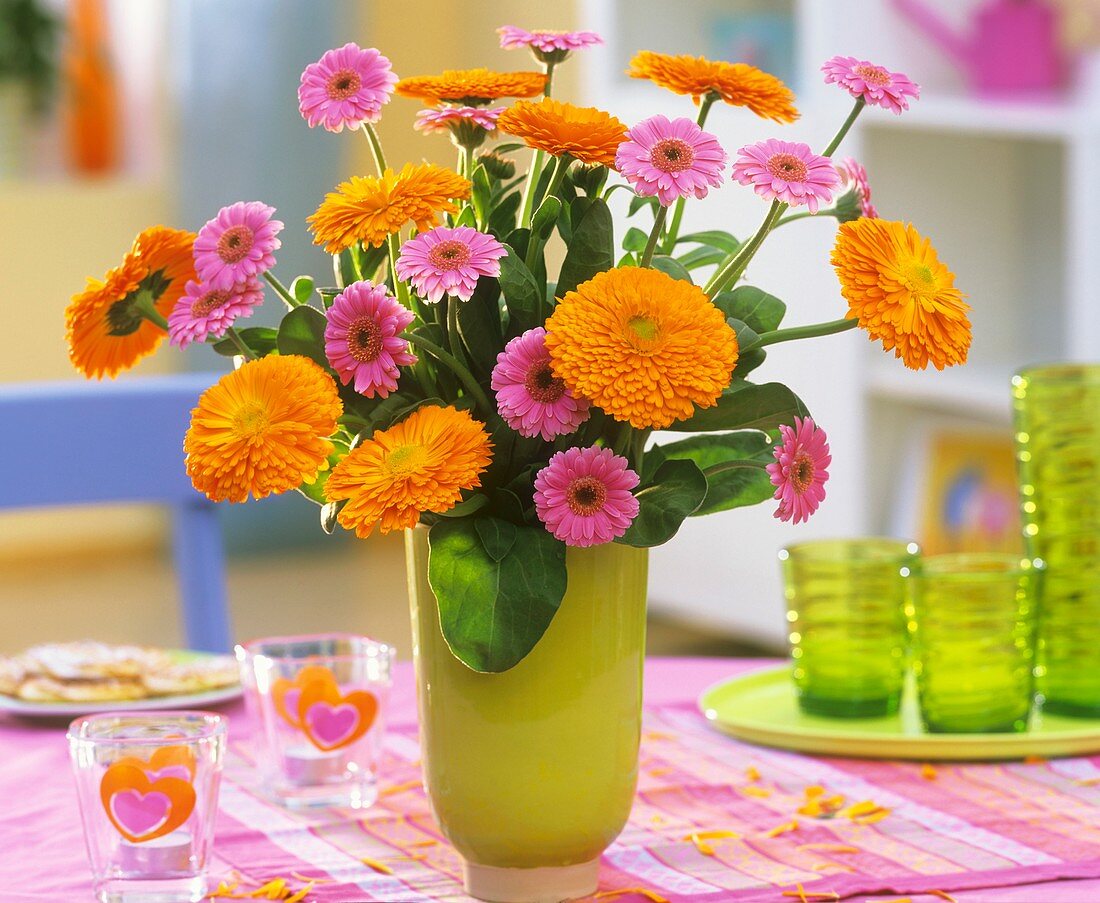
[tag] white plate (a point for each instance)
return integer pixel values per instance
(28, 709)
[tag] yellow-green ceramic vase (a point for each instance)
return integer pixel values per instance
(531, 772)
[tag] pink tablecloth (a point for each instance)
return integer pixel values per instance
(1006, 833)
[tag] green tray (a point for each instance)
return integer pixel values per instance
(761, 708)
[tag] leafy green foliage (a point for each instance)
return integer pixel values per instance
(479, 324)
(302, 331)
(260, 339)
(481, 195)
(736, 488)
(592, 249)
(745, 406)
(754, 307)
(672, 267)
(302, 289)
(675, 491)
(502, 216)
(522, 295)
(498, 586)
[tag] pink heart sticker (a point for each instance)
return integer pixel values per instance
(332, 725)
(169, 771)
(140, 813)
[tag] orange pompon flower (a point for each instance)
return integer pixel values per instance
(471, 86)
(369, 209)
(420, 464)
(104, 328)
(643, 346)
(901, 293)
(738, 84)
(585, 133)
(262, 429)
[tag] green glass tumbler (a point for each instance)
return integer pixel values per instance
(1057, 410)
(973, 621)
(846, 611)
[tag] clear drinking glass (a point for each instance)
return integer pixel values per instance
(321, 702)
(846, 610)
(1058, 457)
(973, 618)
(147, 783)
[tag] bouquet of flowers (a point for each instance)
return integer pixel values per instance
(449, 379)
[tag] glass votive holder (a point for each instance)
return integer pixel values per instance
(973, 618)
(846, 619)
(147, 784)
(321, 702)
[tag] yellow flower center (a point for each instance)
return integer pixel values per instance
(235, 243)
(343, 84)
(406, 459)
(802, 472)
(542, 385)
(643, 331)
(672, 155)
(208, 303)
(873, 75)
(787, 167)
(250, 420)
(586, 496)
(449, 255)
(364, 339)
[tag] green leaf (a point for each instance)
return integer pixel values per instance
(329, 512)
(345, 269)
(713, 238)
(493, 611)
(502, 217)
(592, 249)
(748, 362)
(677, 489)
(753, 306)
(466, 507)
(702, 257)
(546, 217)
(479, 324)
(497, 536)
(302, 331)
(522, 294)
(260, 339)
(481, 194)
(746, 335)
(627, 260)
(735, 488)
(673, 268)
(745, 406)
(508, 146)
(370, 259)
(466, 218)
(638, 203)
(302, 288)
(635, 240)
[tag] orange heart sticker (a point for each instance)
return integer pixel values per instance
(142, 809)
(165, 762)
(331, 720)
(286, 693)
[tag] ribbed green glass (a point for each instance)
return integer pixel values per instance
(845, 605)
(973, 620)
(1058, 458)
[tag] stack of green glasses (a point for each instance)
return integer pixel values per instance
(1058, 453)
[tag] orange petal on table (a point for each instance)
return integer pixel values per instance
(641, 891)
(784, 828)
(928, 772)
(942, 894)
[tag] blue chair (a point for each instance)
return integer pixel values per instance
(67, 443)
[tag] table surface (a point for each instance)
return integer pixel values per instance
(995, 833)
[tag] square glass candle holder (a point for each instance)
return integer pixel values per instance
(147, 783)
(973, 617)
(846, 619)
(321, 702)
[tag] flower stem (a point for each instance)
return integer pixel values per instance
(454, 338)
(655, 233)
(144, 305)
(716, 469)
(375, 147)
(735, 265)
(534, 243)
(456, 367)
(839, 136)
(803, 215)
(538, 158)
(241, 344)
(281, 290)
(669, 243)
(805, 332)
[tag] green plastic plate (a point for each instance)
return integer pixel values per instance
(761, 708)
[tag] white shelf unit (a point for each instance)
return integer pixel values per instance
(1008, 192)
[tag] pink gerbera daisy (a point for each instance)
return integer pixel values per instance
(547, 46)
(362, 339)
(800, 469)
(449, 261)
(584, 497)
(237, 244)
(787, 171)
(854, 177)
(670, 159)
(445, 118)
(345, 87)
(870, 83)
(530, 398)
(202, 311)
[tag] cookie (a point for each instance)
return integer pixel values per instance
(49, 689)
(193, 677)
